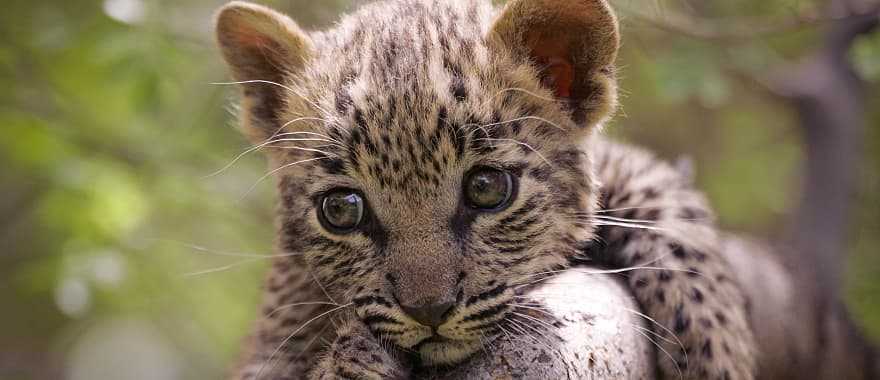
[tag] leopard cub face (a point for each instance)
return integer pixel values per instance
(429, 155)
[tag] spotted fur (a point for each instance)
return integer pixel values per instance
(398, 102)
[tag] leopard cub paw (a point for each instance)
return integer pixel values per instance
(357, 354)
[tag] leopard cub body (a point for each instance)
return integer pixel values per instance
(381, 131)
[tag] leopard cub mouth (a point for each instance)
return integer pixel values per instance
(438, 350)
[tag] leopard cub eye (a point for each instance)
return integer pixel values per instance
(488, 188)
(342, 210)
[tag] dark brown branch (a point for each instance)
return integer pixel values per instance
(740, 30)
(829, 97)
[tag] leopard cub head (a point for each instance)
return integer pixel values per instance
(430, 155)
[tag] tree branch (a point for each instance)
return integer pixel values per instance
(601, 336)
(741, 30)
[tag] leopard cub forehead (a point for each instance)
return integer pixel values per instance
(416, 96)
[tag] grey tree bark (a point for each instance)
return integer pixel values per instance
(602, 336)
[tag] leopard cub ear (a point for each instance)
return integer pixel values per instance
(262, 47)
(573, 43)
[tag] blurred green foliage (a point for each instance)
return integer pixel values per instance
(120, 255)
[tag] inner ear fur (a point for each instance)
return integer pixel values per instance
(261, 47)
(573, 43)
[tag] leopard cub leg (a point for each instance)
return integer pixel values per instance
(357, 354)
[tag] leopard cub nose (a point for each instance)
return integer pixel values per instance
(430, 315)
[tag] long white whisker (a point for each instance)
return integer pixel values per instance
(534, 319)
(282, 167)
(323, 289)
(625, 220)
(658, 336)
(628, 225)
(545, 341)
(297, 147)
(222, 268)
(290, 305)
(518, 327)
(644, 265)
(523, 91)
(288, 88)
(289, 337)
(541, 119)
(254, 148)
(310, 342)
(632, 208)
(659, 346)
(664, 328)
(203, 249)
(521, 144)
(538, 309)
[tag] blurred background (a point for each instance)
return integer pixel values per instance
(122, 257)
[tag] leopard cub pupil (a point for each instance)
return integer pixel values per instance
(342, 210)
(488, 188)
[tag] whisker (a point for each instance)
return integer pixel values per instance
(203, 249)
(606, 271)
(310, 342)
(538, 309)
(664, 328)
(282, 167)
(297, 147)
(521, 118)
(269, 141)
(518, 327)
(323, 289)
(545, 341)
(505, 332)
(633, 208)
(290, 305)
(644, 265)
(660, 347)
(221, 268)
(625, 220)
(289, 337)
(288, 88)
(520, 143)
(628, 225)
(658, 336)
(523, 91)
(526, 316)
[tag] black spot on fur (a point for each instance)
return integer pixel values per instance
(660, 295)
(332, 166)
(459, 90)
(707, 349)
(696, 295)
(678, 251)
(706, 323)
(682, 322)
(494, 292)
(722, 320)
(540, 173)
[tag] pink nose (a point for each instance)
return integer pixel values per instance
(431, 315)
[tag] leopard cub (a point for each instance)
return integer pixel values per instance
(434, 159)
